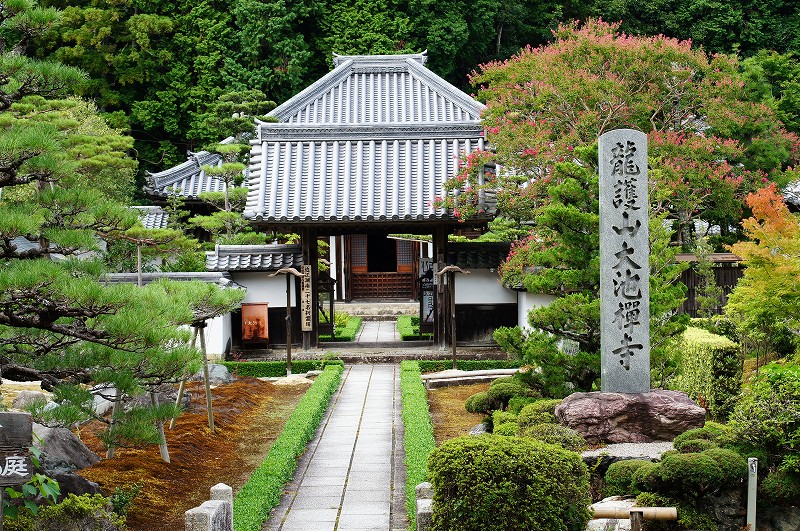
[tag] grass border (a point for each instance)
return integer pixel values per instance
(263, 490)
(418, 437)
(271, 369)
(408, 331)
(345, 333)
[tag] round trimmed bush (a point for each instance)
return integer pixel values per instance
(694, 445)
(498, 483)
(566, 438)
(619, 477)
(715, 433)
(502, 392)
(781, 487)
(479, 403)
(502, 417)
(507, 429)
(516, 403)
(699, 473)
(539, 412)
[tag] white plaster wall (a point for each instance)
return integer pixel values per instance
(527, 302)
(482, 286)
(217, 334)
(263, 288)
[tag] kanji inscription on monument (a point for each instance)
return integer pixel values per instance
(16, 435)
(624, 263)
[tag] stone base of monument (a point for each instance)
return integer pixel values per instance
(603, 417)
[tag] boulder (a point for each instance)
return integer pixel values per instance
(75, 484)
(102, 398)
(479, 429)
(62, 451)
(658, 415)
(217, 374)
(779, 518)
(25, 399)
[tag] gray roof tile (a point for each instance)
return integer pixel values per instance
(152, 217)
(373, 140)
(253, 257)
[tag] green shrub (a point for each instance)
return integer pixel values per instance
(710, 371)
(619, 477)
(501, 417)
(418, 435)
(689, 517)
(480, 403)
(276, 369)
(697, 474)
(564, 437)
(539, 412)
(408, 328)
(766, 417)
(347, 331)
(263, 490)
(498, 483)
(507, 429)
(516, 403)
(466, 365)
(79, 512)
(646, 477)
(781, 487)
(714, 433)
(501, 393)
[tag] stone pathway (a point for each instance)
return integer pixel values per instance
(378, 332)
(351, 477)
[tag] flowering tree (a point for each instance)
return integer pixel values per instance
(709, 145)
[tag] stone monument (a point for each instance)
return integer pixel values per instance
(624, 263)
(625, 409)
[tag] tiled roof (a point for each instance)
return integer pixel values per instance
(152, 217)
(477, 255)
(253, 257)
(187, 179)
(373, 140)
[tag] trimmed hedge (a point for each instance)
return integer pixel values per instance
(492, 482)
(408, 328)
(344, 333)
(263, 490)
(620, 475)
(418, 438)
(466, 365)
(710, 371)
(275, 369)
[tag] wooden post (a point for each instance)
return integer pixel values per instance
(636, 520)
(439, 294)
(201, 327)
(182, 386)
(162, 444)
(288, 324)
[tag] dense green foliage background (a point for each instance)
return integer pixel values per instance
(160, 66)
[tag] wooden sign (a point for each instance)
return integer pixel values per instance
(16, 467)
(16, 436)
(255, 322)
(306, 310)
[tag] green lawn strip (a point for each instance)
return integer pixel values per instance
(408, 328)
(418, 439)
(345, 333)
(467, 365)
(262, 492)
(266, 369)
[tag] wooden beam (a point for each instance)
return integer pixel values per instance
(441, 299)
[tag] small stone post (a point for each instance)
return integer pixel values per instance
(752, 489)
(624, 263)
(213, 515)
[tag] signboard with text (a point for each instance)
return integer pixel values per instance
(16, 435)
(306, 315)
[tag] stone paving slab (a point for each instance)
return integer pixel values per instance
(351, 476)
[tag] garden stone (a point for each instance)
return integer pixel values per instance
(726, 507)
(424, 514)
(222, 492)
(424, 490)
(213, 515)
(25, 399)
(480, 429)
(62, 450)
(658, 415)
(779, 518)
(101, 404)
(217, 374)
(70, 483)
(165, 394)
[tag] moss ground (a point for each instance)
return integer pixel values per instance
(249, 414)
(449, 417)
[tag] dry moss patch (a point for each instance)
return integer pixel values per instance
(249, 414)
(448, 415)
